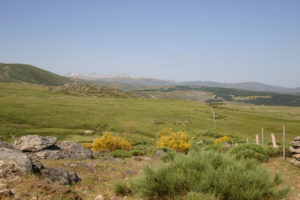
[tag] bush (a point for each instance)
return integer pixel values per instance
(110, 143)
(217, 148)
(87, 145)
(169, 156)
(222, 139)
(200, 196)
(178, 141)
(250, 151)
(120, 188)
(138, 152)
(121, 154)
(208, 173)
(277, 152)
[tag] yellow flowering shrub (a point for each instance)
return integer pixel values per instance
(110, 143)
(178, 141)
(87, 145)
(164, 132)
(222, 139)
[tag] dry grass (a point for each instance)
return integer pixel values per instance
(290, 175)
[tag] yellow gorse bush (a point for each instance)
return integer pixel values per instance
(178, 141)
(110, 143)
(87, 145)
(222, 139)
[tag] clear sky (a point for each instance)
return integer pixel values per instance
(225, 40)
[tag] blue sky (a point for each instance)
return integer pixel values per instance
(225, 41)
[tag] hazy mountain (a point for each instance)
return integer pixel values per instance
(122, 79)
(30, 74)
(128, 80)
(253, 86)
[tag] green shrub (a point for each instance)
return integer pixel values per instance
(207, 173)
(277, 152)
(169, 156)
(121, 154)
(200, 196)
(120, 188)
(250, 151)
(138, 152)
(217, 148)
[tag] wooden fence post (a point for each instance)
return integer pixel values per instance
(283, 142)
(274, 141)
(247, 140)
(262, 136)
(257, 139)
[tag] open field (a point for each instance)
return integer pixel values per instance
(27, 109)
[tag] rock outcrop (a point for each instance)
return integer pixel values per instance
(75, 150)
(295, 150)
(61, 176)
(25, 158)
(20, 160)
(39, 147)
(33, 143)
(5, 145)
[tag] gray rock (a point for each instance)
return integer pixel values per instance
(75, 150)
(158, 154)
(294, 150)
(295, 143)
(5, 145)
(60, 176)
(19, 159)
(34, 143)
(49, 154)
(88, 132)
(295, 162)
(297, 138)
(109, 159)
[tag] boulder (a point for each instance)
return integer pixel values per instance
(34, 143)
(49, 154)
(295, 162)
(297, 138)
(99, 197)
(294, 150)
(5, 145)
(75, 150)
(88, 132)
(295, 143)
(296, 156)
(21, 161)
(60, 176)
(158, 154)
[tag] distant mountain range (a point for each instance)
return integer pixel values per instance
(125, 79)
(31, 74)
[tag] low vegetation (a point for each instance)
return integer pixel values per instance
(174, 140)
(207, 173)
(108, 142)
(250, 151)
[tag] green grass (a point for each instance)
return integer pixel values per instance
(30, 109)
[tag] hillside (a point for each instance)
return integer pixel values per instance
(235, 95)
(252, 86)
(22, 73)
(82, 89)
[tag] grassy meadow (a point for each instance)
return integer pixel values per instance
(30, 109)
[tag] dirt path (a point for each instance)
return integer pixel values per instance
(290, 174)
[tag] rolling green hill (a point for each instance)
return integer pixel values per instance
(33, 109)
(22, 73)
